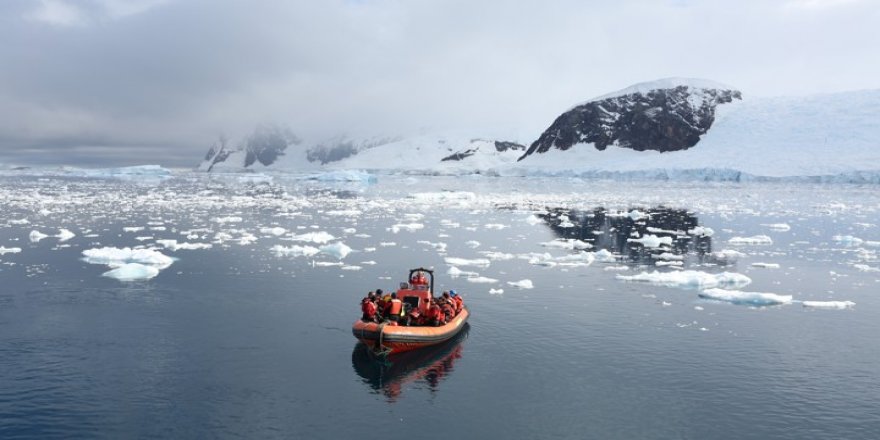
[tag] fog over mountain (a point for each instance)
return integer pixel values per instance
(120, 82)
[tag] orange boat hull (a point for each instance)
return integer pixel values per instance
(398, 339)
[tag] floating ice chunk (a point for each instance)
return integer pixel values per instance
(133, 228)
(781, 227)
(668, 256)
(351, 267)
(848, 240)
(497, 256)
(357, 176)
(481, 280)
(479, 262)
(522, 284)
(669, 263)
(747, 298)
(728, 255)
(831, 305)
(604, 256)
(64, 235)
(9, 250)
(567, 243)
(132, 272)
(338, 250)
(533, 220)
(295, 251)
(756, 239)
(36, 236)
(406, 227)
(766, 265)
(387, 244)
(117, 257)
(344, 212)
(497, 226)
(652, 241)
(173, 245)
(496, 291)
(866, 268)
(227, 219)
(326, 264)
(473, 244)
(689, 279)
(276, 231)
(314, 237)
(636, 215)
(22, 221)
(440, 246)
(617, 268)
(455, 272)
(368, 263)
(701, 231)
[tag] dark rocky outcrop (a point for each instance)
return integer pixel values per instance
(500, 146)
(265, 145)
(668, 118)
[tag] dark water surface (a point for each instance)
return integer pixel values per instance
(237, 341)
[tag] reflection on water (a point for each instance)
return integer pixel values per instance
(389, 375)
(612, 231)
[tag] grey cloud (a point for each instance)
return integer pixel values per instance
(161, 80)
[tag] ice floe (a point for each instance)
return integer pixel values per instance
(406, 227)
(481, 280)
(314, 237)
(64, 235)
(455, 272)
(832, 305)
(689, 279)
(116, 257)
(652, 241)
(36, 236)
(496, 291)
(781, 227)
(295, 251)
(132, 272)
(339, 250)
(479, 262)
(567, 243)
(766, 265)
(276, 231)
(522, 284)
(747, 298)
(756, 240)
(9, 250)
(173, 245)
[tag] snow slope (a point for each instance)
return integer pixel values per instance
(821, 135)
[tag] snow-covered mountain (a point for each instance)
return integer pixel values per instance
(665, 115)
(424, 153)
(668, 129)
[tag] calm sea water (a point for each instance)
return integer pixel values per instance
(239, 341)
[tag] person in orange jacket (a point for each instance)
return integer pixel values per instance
(459, 302)
(394, 308)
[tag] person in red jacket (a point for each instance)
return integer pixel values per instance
(435, 316)
(368, 307)
(448, 306)
(394, 308)
(459, 302)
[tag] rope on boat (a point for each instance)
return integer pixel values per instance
(379, 349)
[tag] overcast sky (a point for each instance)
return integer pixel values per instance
(121, 82)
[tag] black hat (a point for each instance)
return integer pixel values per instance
(379, 292)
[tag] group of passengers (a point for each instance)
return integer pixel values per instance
(380, 307)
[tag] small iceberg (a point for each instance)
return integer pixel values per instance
(829, 305)
(689, 279)
(132, 272)
(757, 240)
(118, 257)
(746, 298)
(36, 236)
(522, 284)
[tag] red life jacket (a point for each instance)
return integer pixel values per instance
(395, 307)
(369, 309)
(448, 310)
(459, 303)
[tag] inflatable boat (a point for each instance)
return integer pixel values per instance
(386, 337)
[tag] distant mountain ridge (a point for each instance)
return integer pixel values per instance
(675, 128)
